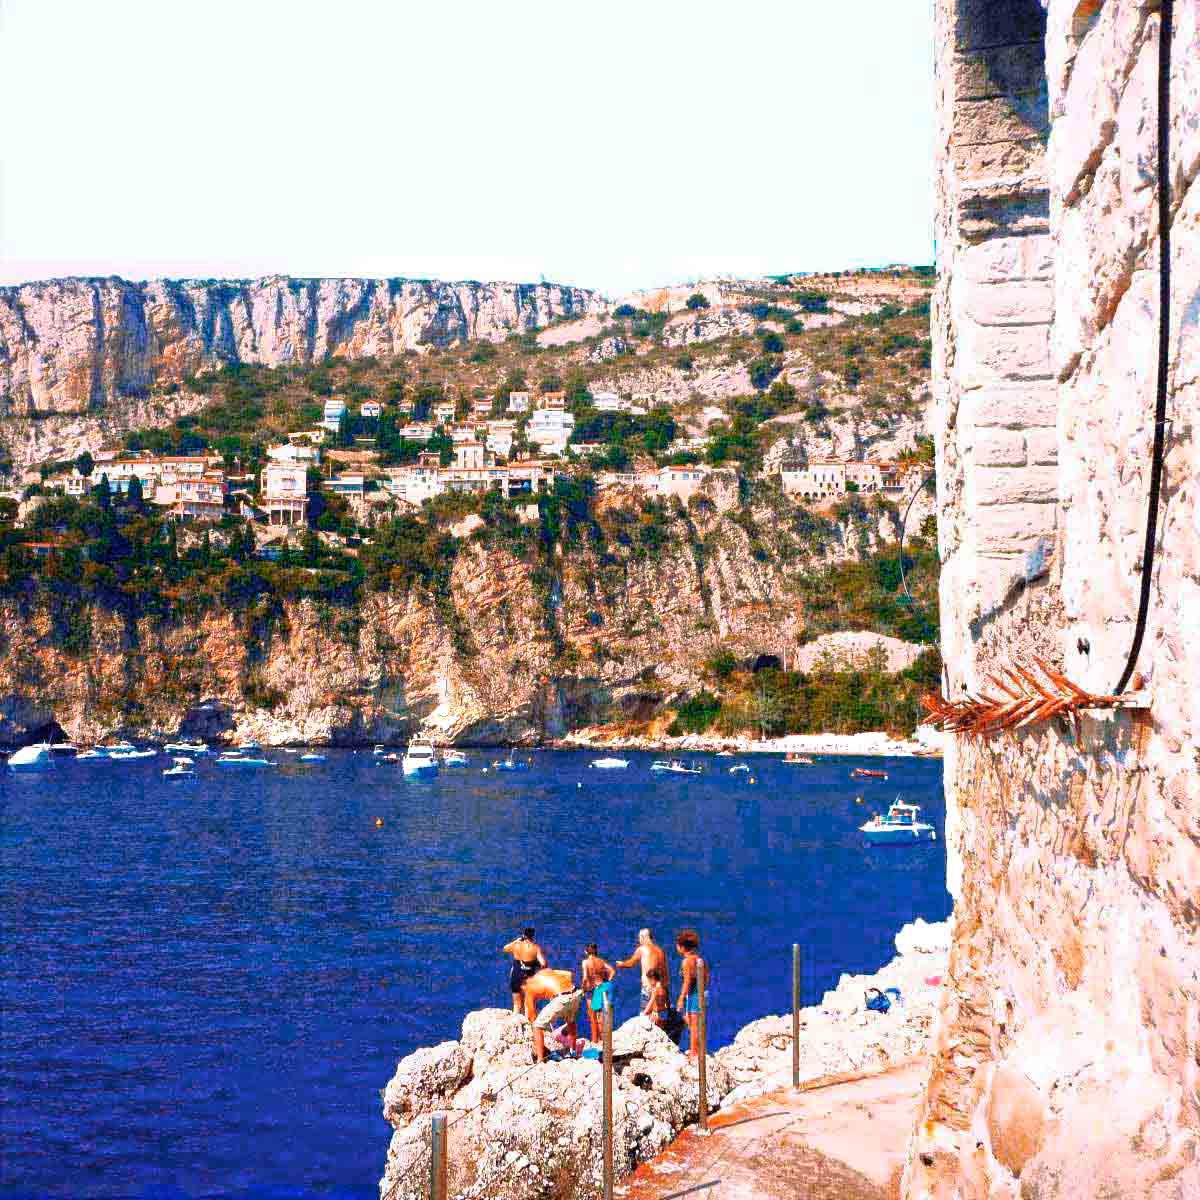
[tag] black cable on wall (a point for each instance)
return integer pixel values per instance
(1164, 328)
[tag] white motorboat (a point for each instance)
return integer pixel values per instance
(95, 754)
(130, 755)
(380, 750)
(247, 747)
(738, 769)
(180, 768)
(31, 758)
(674, 766)
(724, 753)
(453, 758)
(312, 757)
(234, 758)
(511, 764)
(609, 764)
(116, 748)
(900, 827)
(190, 749)
(420, 760)
(63, 749)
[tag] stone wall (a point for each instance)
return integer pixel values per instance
(1068, 1056)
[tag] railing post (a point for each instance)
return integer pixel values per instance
(702, 1043)
(795, 1014)
(437, 1158)
(608, 1093)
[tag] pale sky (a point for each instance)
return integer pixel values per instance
(618, 145)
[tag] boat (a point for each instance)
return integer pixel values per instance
(247, 747)
(180, 768)
(186, 748)
(900, 827)
(313, 757)
(420, 760)
(453, 758)
(867, 773)
(676, 766)
(94, 754)
(390, 757)
(234, 758)
(738, 769)
(116, 748)
(31, 758)
(129, 755)
(511, 764)
(799, 760)
(63, 749)
(724, 753)
(609, 764)
(380, 751)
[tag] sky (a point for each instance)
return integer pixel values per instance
(617, 145)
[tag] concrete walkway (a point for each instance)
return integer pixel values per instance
(834, 1140)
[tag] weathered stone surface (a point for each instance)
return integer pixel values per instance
(1060, 1069)
(519, 1131)
(1001, 353)
(1014, 303)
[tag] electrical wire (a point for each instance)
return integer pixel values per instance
(1164, 328)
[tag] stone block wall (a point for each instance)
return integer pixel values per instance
(1068, 1052)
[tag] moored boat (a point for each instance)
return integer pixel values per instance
(180, 768)
(609, 764)
(131, 755)
(312, 756)
(511, 764)
(799, 760)
(190, 749)
(900, 827)
(453, 758)
(31, 758)
(738, 769)
(234, 758)
(420, 760)
(867, 773)
(674, 766)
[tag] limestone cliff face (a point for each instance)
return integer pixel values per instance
(518, 658)
(1068, 1054)
(72, 347)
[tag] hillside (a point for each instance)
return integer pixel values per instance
(494, 620)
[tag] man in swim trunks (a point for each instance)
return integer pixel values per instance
(563, 1002)
(648, 954)
(528, 959)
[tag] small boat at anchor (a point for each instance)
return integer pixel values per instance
(420, 760)
(180, 768)
(799, 760)
(867, 773)
(609, 764)
(130, 755)
(312, 756)
(674, 766)
(511, 764)
(453, 758)
(187, 749)
(235, 758)
(738, 769)
(901, 827)
(31, 758)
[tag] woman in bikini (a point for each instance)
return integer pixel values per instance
(528, 959)
(692, 970)
(597, 983)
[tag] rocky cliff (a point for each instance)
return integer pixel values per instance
(99, 348)
(513, 650)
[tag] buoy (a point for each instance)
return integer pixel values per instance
(378, 822)
(579, 785)
(857, 799)
(751, 778)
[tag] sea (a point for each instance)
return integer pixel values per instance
(205, 985)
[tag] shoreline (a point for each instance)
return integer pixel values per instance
(925, 743)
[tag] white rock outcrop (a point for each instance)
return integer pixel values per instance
(520, 1131)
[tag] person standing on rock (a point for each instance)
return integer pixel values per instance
(563, 1001)
(647, 955)
(693, 970)
(528, 959)
(597, 983)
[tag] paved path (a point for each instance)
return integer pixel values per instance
(835, 1141)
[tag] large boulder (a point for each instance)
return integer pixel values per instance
(532, 1131)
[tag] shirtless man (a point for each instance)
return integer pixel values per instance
(563, 1002)
(648, 954)
(528, 959)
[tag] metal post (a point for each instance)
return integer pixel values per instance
(702, 1042)
(795, 1014)
(437, 1158)
(608, 1090)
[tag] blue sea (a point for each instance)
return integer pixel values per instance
(205, 985)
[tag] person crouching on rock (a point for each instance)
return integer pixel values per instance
(528, 959)
(597, 983)
(563, 1001)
